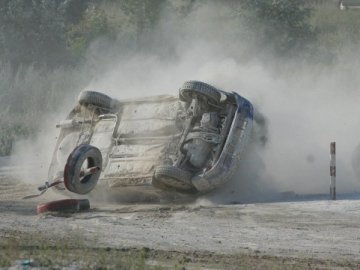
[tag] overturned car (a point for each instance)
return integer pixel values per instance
(190, 143)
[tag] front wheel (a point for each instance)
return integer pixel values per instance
(95, 98)
(200, 90)
(168, 177)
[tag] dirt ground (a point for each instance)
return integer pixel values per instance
(317, 234)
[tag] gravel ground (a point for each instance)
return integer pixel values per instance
(323, 231)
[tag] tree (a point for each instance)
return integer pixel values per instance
(143, 14)
(93, 24)
(35, 31)
(281, 24)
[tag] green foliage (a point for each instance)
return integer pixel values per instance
(280, 25)
(30, 95)
(31, 92)
(44, 42)
(36, 32)
(11, 131)
(143, 15)
(58, 32)
(32, 32)
(94, 24)
(337, 30)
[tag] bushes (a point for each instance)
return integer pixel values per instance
(43, 43)
(32, 32)
(57, 33)
(93, 24)
(30, 95)
(12, 129)
(41, 32)
(280, 25)
(338, 31)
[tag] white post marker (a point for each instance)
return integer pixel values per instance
(333, 171)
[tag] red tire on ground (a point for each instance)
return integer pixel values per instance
(67, 205)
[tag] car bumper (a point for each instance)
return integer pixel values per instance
(237, 139)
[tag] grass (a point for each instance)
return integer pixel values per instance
(57, 252)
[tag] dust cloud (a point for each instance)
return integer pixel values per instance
(32, 156)
(305, 107)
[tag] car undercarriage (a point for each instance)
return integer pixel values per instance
(190, 143)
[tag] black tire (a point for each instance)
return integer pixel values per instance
(168, 177)
(201, 90)
(72, 180)
(95, 98)
(67, 205)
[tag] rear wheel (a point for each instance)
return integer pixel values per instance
(200, 90)
(84, 157)
(168, 177)
(95, 98)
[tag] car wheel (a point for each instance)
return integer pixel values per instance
(67, 205)
(191, 89)
(83, 157)
(172, 178)
(95, 98)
